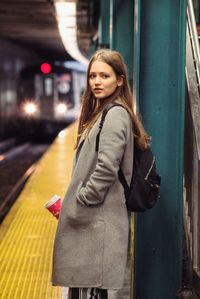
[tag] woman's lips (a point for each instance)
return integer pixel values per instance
(98, 90)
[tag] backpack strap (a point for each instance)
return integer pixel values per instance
(105, 111)
(121, 176)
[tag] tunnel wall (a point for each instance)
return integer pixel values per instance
(13, 59)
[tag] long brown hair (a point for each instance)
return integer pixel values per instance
(90, 112)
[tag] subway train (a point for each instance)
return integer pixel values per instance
(48, 97)
(50, 92)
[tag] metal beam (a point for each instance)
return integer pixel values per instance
(121, 30)
(104, 24)
(161, 97)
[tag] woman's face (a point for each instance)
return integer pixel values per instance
(103, 80)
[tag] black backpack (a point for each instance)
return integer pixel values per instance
(144, 190)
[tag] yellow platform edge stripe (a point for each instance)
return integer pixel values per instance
(27, 233)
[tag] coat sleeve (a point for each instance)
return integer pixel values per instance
(112, 143)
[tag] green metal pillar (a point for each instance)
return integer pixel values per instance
(116, 28)
(121, 30)
(121, 39)
(160, 94)
(104, 24)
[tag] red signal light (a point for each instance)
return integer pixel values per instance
(45, 68)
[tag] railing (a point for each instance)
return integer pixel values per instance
(192, 151)
(194, 39)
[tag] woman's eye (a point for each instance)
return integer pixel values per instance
(104, 76)
(91, 76)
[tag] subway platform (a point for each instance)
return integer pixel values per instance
(27, 233)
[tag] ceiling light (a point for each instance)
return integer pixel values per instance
(66, 18)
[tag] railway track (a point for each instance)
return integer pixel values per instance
(17, 164)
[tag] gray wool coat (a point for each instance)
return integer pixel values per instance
(90, 248)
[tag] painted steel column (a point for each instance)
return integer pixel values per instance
(121, 30)
(161, 100)
(104, 24)
(121, 39)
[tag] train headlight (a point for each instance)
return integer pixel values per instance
(30, 108)
(61, 108)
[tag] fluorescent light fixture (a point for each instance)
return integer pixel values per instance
(66, 18)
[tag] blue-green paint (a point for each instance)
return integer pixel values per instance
(121, 30)
(160, 94)
(104, 24)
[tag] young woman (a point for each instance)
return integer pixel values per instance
(90, 249)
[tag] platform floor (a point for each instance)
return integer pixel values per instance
(27, 233)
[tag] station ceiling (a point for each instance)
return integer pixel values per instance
(32, 24)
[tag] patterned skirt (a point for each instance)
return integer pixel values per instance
(84, 293)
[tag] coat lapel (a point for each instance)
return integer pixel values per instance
(80, 144)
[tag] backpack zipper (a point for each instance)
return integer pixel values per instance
(146, 177)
